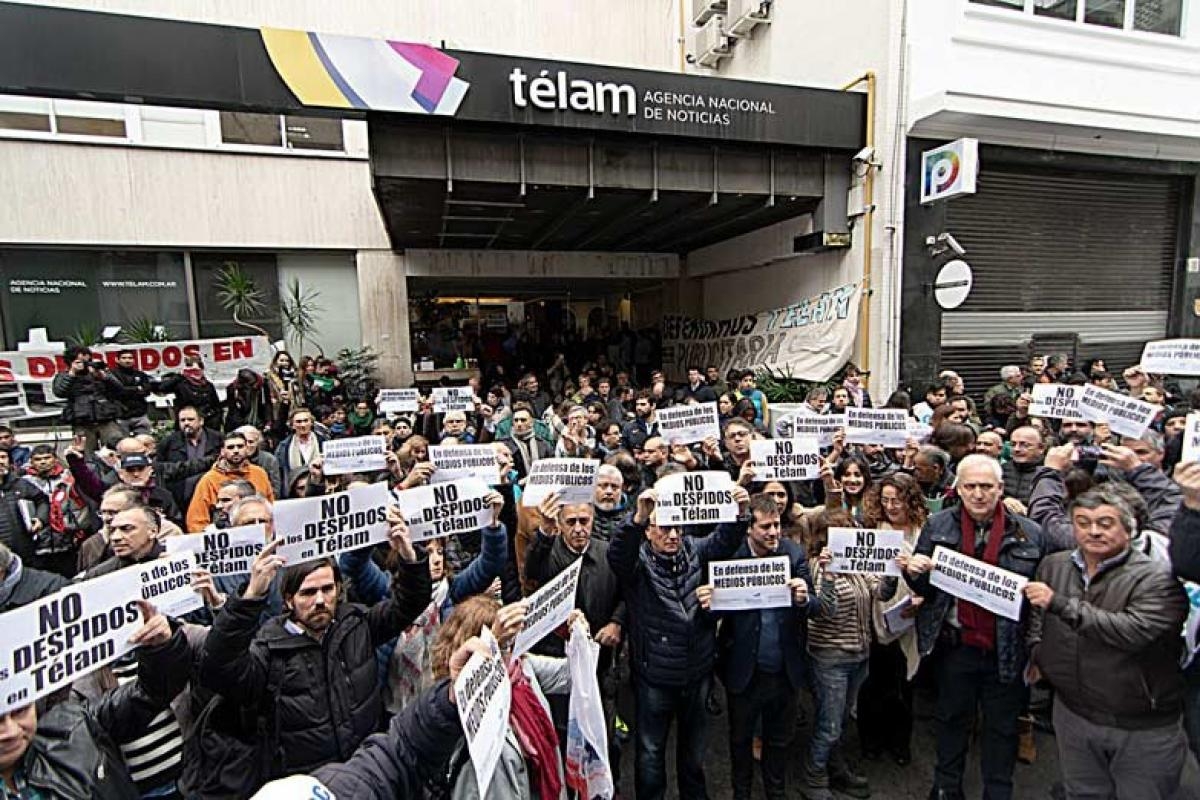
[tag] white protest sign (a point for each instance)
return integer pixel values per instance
(1055, 401)
(865, 551)
(80, 628)
(689, 423)
(919, 430)
(575, 478)
(744, 584)
(1191, 439)
(691, 498)
(223, 358)
(453, 398)
(225, 552)
(398, 401)
(796, 459)
(1172, 357)
(318, 527)
(548, 607)
(464, 461)
(484, 695)
(882, 426)
(356, 454)
(444, 508)
(822, 426)
(895, 618)
(1125, 415)
(991, 588)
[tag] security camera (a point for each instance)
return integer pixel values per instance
(953, 244)
(865, 156)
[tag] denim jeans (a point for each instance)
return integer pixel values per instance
(836, 678)
(968, 678)
(657, 707)
(770, 698)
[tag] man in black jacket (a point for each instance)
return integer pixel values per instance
(14, 491)
(311, 673)
(92, 395)
(673, 640)
(1028, 450)
(137, 386)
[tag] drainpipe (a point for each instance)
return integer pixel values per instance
(864, 305)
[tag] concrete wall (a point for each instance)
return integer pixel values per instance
(334, 275)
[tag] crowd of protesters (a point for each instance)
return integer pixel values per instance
(333, 677)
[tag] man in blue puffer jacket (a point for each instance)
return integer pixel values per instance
(673, 640)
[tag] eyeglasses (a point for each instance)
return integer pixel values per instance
(256, 521)
(571, 522)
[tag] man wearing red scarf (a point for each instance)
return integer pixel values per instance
(981, 657)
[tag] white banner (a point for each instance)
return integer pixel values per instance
(796, 459)
(822, 426)
(1172, 357)
(453, 398)
(398, 401)
(222, 358)
(464, 461)
(810, 340)
(1055, 401)
(319, 527)
(1191, 439)
(225, 552)
(865, 551)
(883, 426)
(744, 584)
(548, 607)
(686, 424)
(444, 508)
(575, 478)
(484, 695)
(996, 590)
(1125, 415)
(59, 639)
(693, 498)
(356, 454)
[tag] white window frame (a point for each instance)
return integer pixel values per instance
(1127, 25)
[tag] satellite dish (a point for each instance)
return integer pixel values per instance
(953, 284)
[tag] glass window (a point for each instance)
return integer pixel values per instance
(1017, 4)
(239, 127)
(65, 291)
(1158, 16)
(1058, 9)
(1109, 13)
(314, 133)
(85, 118)
(215, 320)
(25, 114)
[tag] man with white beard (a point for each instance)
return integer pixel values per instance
(610, 502)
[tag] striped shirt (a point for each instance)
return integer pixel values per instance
(155, 758)
(844, 623)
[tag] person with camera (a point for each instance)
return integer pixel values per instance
(92, 395)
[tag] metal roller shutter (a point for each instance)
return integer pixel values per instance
(1090, 254)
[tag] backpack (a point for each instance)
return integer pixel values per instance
(233, 750)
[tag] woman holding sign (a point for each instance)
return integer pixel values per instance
(885, 702)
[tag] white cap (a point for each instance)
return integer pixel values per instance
(296, 787)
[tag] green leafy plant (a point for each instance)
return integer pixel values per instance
(358, 370)
(301, 311)
(780, 386)
(240, 295)
(87, 334)
(144, 329)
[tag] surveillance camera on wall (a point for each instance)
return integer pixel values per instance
(865, 156)
(953, 244)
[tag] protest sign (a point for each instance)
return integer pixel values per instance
(991, 588)
(822, 426)
(464, 461)
(398, 401)
(744, 584)
(809, 340)
(894, 618)
(919, 430)
(1172, 357)
(796, 459)
(58, 639)
(1125, 415)
(575, 478)
(865, 551)
(1191, 439)
(883, 426)
(695, 497)
(445, 508)
(356, 454)
(548, 607)
(453, 398)
(222, 358)
(686, 424)
(484, 695)
(318, 527)
(1055, 401)
(225, 552)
